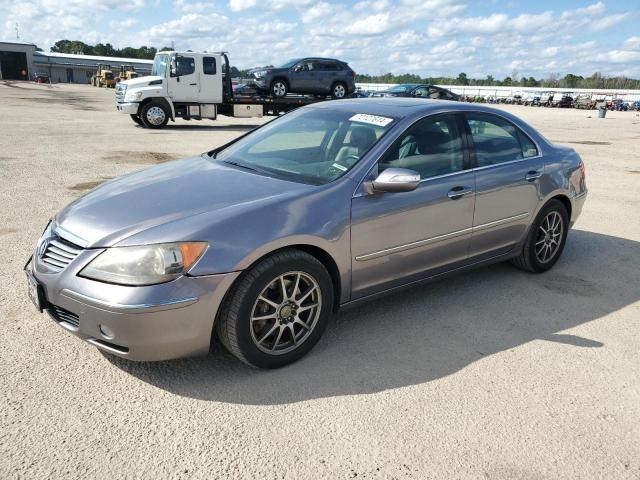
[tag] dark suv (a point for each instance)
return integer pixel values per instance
(317, 76)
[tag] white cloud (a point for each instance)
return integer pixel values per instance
(123, 24)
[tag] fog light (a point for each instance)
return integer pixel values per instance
(106, 332)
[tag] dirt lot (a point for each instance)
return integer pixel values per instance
(497, 374)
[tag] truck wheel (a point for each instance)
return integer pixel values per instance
(136, 118)
(154, 115)
(279, 88)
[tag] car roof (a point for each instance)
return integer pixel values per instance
(400, 107)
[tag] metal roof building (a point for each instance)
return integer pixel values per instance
(21, 61)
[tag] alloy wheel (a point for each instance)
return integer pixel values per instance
(339, 91)
(285, 313)
(279, 89)
(549, 237)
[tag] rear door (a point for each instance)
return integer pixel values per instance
(508, 167)
(210, 79)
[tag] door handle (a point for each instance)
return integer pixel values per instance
(532, 175)
(193, 84)
(458, 192)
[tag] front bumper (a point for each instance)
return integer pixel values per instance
(150, 323)
(128, 108)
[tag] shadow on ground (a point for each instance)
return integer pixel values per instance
(426, 332)
(216, 128)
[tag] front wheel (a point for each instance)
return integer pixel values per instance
(546, 239)
(279, 88)
(339, 91)
(277, 311)
(154, 115)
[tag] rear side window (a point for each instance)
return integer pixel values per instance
(328, 65)
(209, 65)
(498, 141)
(431, 147)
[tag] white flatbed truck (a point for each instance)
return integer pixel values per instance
(194, 86)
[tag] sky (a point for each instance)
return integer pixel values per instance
(427, 37)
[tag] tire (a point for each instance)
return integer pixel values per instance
(532, 258)
(136, 118)
(270, 343)
(339, 90)
(279, 88)
(154, 115)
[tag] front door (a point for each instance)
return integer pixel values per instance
(183, 80)
(303, 77)
(400, 237)
(508, 171)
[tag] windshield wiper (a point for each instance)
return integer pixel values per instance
(241, 165)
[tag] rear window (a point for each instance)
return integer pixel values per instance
(209, 65)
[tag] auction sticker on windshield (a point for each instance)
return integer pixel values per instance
(371, 119)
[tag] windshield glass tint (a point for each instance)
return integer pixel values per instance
(160, 65)
(401, 88)
(313, 146)
(290, 63)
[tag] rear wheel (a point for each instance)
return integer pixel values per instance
(546, 239)
(154, 115)
(339, 90)
(277, 311)
(279, 88)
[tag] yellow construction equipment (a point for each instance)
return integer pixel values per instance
(103, 76)
(127, 72)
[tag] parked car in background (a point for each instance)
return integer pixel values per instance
(585, 102)
(316, 76)
(618, 105)
(418, 90)
(333, 204)
(531, 100)
(545, 99)
(41, 78)
(636, 105)
(246, 89)
(562, 100)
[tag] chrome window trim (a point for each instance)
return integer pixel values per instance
(457, 233)
(510, 162)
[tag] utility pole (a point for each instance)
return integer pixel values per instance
(17, 31)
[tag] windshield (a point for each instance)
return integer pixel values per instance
(313, 146)
(290, 63)
(402, 88)
(160, 65)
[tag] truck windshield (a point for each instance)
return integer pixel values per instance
(315, 146)
(160, 65)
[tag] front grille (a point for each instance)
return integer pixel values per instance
(59, 253)
(120, 92)
(63, 315)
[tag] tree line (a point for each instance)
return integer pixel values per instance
(595, 81)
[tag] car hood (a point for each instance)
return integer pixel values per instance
(140, 81)
(159, 195)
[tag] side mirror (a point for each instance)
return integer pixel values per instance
(396, 180)
(173, 67)
(298, 68)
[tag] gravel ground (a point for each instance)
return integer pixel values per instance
(496, 374)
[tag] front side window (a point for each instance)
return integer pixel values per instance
(431, 147)
(185, 66)
(209, 65)
(498, 141)
(313, 146)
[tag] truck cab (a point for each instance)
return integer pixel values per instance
(181, 84)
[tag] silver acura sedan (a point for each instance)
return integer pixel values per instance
(259, 242)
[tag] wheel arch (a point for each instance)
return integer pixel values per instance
(319, 253)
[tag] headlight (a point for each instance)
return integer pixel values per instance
(132, 96)
(260, 73)
(144, 265)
